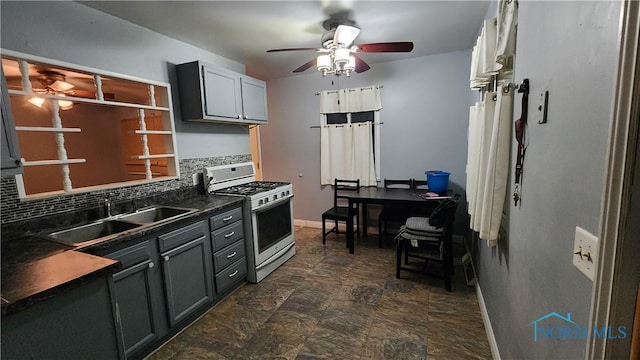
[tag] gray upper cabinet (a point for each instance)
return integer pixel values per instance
(11, 163)
(208, 93)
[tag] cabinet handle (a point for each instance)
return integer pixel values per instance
(227, 218)
(233, 274)
(246, 117)
(230, 234)
(151, 265)
(232, 255)
(166, 258)
(237, 116)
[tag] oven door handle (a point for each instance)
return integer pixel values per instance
(271, 205)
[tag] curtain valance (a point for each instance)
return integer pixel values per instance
(350, 100)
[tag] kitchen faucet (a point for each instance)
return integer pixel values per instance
(107, 206)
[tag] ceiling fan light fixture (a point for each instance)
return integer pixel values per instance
(350, 66)
(323, 63)
(342, 56)
(345, 34)
(37, 101)
(61, 86)
(65, 104)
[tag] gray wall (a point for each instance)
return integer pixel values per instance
(71, 32)
(570, 49)
(425, 114)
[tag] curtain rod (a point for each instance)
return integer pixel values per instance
(320, 126)
(362, 88)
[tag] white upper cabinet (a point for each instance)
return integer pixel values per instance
(213, 94)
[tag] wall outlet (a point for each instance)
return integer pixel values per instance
(585, 252)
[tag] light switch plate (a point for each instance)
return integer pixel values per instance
(585, 252)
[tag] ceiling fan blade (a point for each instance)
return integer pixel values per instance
(293, 49)
(345, 35)
(386, 47)
(306, 66)
(361, 66)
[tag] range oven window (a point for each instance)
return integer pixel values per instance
(273, 225)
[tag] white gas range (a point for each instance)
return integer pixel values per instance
(269, 209)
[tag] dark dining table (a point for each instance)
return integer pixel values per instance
(416, 198)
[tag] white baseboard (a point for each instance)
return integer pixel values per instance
(495, 353)
(308, 223)
(318, 225)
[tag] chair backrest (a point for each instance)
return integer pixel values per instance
(419, 184)
(397, 184)
(341, 185)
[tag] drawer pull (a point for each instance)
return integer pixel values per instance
(151, 265)
(230, 234)
(166, 258)
(228, 218)
(233, 274)
(232, 255)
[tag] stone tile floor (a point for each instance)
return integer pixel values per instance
(327, 304)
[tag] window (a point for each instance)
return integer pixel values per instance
(350, 151)
(360, 117)
(81, 129)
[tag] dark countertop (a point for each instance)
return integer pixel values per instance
(34, 268)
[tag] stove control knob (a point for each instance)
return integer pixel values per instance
(284, 194)
(266, 200)
(260, 202)
(275, 196)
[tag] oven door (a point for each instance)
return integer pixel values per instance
(272, 228)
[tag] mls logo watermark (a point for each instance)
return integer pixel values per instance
(556, 326)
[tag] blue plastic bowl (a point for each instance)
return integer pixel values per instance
(438, 181)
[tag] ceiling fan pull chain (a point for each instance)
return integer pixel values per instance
(24, 72)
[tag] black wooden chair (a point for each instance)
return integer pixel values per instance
(419, 239)
(393, 214)
(419, 184)
(340, 209)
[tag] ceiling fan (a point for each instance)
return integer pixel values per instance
(338, 54)
(54, 83)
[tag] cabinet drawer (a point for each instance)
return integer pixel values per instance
(228, 255)
(183, 235)
(225, 218)
(234, 273)
(226, 235)
(133, 254)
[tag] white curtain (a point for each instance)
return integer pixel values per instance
(488, 161)
(347, 153)
(346, 150)
(495, 47)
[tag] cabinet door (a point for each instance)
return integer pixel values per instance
(187, 278)
(254, 99)
(222, 94)
(10, 151)
(136, 306)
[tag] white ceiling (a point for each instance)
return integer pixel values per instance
(244, 30)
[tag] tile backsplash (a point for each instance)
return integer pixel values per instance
(12, 209)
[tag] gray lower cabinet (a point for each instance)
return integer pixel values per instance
(227, 238)
(168, 278)
(187, 271)
(136, 297)
(76, 324)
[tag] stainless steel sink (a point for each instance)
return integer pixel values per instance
(155, 214)
(89, 233)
